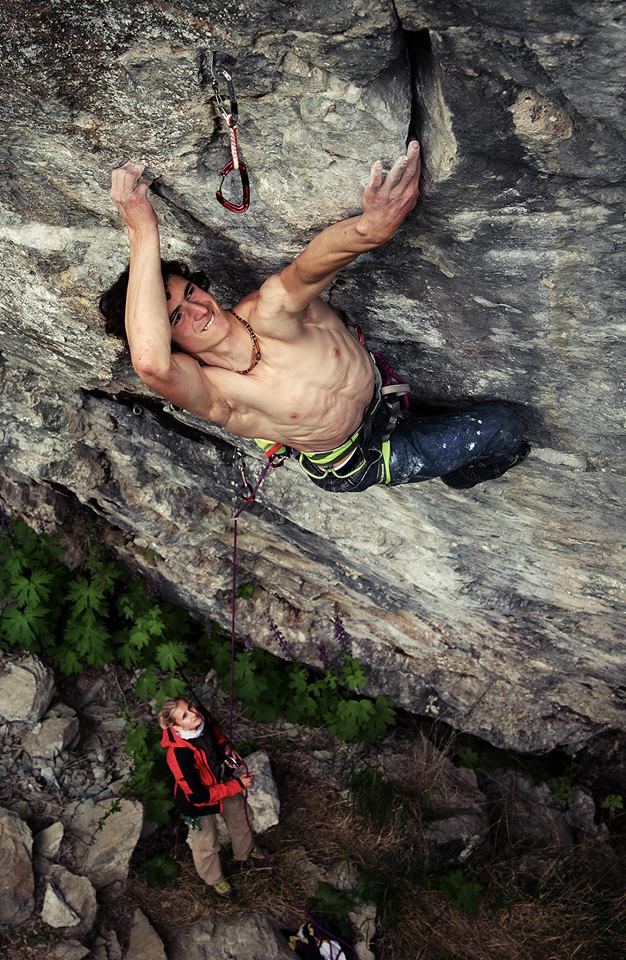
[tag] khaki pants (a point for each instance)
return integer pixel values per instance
(205, 845)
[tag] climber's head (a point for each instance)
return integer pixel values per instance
(179, 714)
(112, 303)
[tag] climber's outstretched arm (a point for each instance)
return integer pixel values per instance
(176, 377)
(387, 202)
(147, 322)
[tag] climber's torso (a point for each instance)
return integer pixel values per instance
(311, 386)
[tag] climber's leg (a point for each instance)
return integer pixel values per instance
(463, 448)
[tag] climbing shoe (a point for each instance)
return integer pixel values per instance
(223, 889)
(473, 473)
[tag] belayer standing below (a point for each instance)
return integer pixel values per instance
(204, 764)
(283, 366)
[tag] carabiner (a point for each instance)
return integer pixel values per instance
(230, 118)
(235, 163)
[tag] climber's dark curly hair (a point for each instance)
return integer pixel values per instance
(112, 303)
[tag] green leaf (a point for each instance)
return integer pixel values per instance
(299, 680)
(86, 595)
(34, 590)
(461, 892)
(160, 871)
(353, 674)
(68, 661)
(170, 689)
(613, 802)
(170, 655)
(249, 687)
(146, 685)
(138, 636)
(22, 627)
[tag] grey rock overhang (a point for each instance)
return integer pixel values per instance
(497, 610)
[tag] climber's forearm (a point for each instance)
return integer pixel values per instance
(316, 267)
(334, 248)
(147, 322)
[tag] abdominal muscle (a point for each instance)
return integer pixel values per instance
(309, 391)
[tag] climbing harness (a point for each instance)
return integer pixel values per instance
(230, 114)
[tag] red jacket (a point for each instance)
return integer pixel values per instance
(197, 791)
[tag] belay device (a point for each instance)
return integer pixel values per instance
(221, 64)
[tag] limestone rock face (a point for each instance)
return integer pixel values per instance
(494, 609)
(17, 881)
(26, 689)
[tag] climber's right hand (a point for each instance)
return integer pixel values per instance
(129, 193)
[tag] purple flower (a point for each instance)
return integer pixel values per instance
(284, 645)
(342, 638)
(248, 642)
(324, 656)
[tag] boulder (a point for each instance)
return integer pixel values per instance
(102, 836)
(455, 839)
(250, 936)
(262, 798)
(363, 919)
(26, 689)
(69, 901)
(17, 881)
(68, 950)
(48, 841)
(50, 737)
(144, 942)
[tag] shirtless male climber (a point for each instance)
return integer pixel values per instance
(283, 366)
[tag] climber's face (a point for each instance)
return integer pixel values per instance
(186, 716)
(197, 320)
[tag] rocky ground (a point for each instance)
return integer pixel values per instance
(409, 835)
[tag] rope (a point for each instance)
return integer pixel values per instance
(273, 462)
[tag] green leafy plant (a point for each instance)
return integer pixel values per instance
(460, 891)
(565, 785)
(160, 871)
(89, 616)
(613, 803)
(150, 781)
(469, 758)
(270, 687)
(332, 903)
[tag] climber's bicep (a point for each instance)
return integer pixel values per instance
(185, 383)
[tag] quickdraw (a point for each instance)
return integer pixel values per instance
(230, 114)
